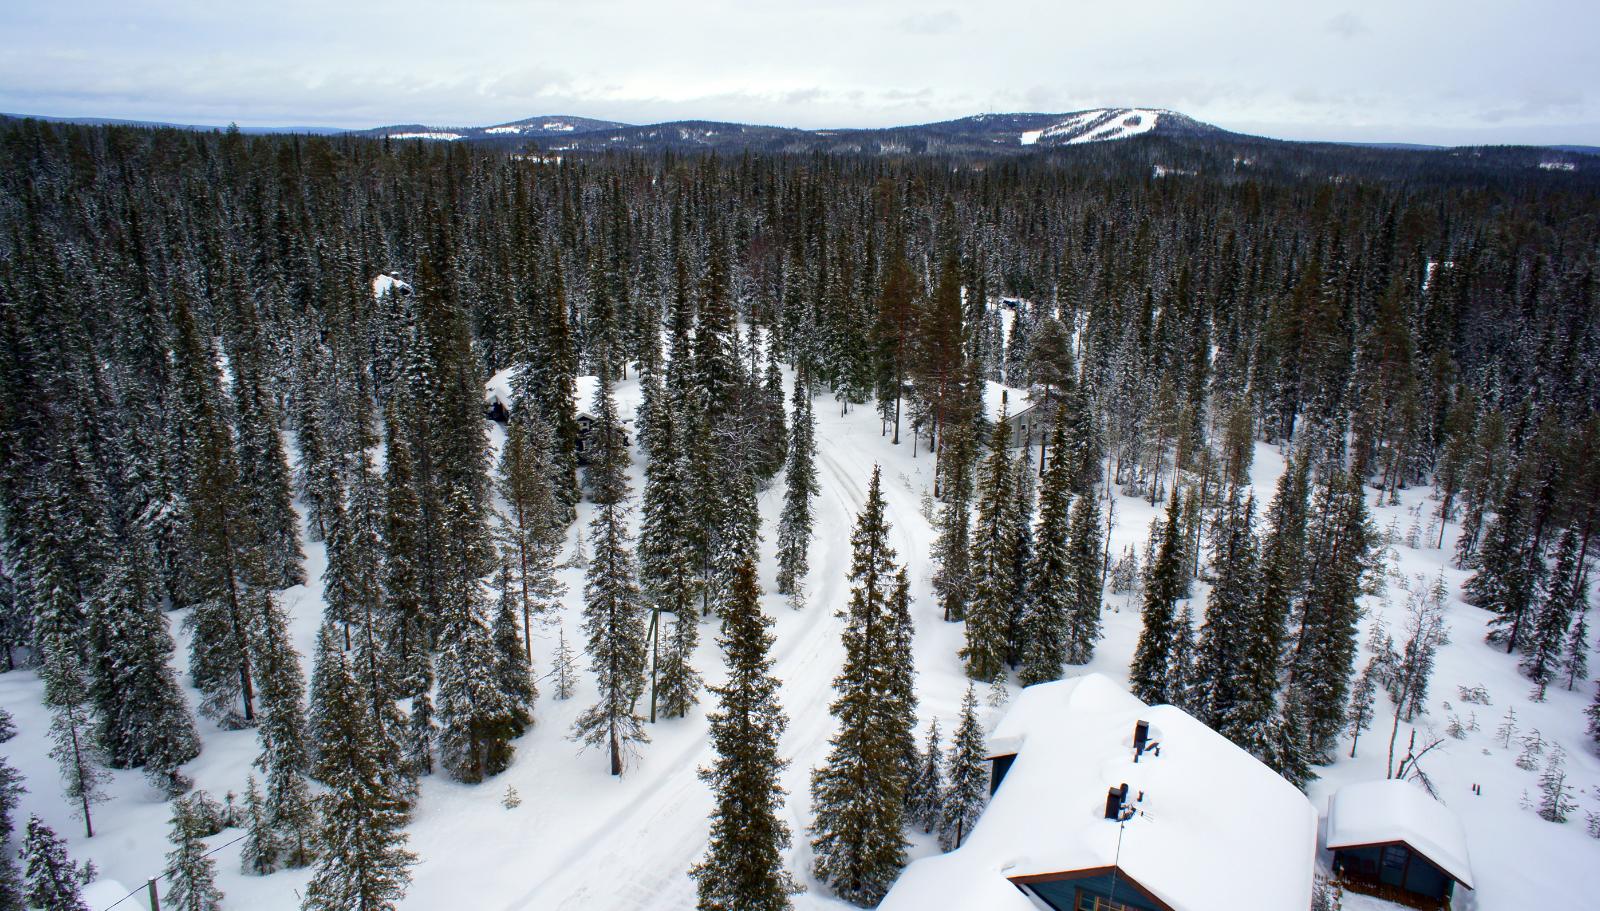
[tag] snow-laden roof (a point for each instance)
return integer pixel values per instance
(383, 284)
(1016, 400)
(498, 389)
(1391, 810)
(1216, 830)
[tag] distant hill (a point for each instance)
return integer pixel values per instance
(979, 136)
(544, 126)
(116, 122)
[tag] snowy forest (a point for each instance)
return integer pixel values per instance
(288, 621)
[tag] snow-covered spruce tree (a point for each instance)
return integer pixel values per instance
(563, 662)
(285, 755)
(1575, 666)
(952, 549)
(73, 743)
(1362, 697)
(352, 583)
(1339, 545)
(530, 530)
(227, 571)
(964, 795)
(668, 567)
(1555, 795)
(994, 541)
(927, 785)
(52, 879)
(374, 653)
(11, 791)
(477, 718)
(1288, 742)
(1229, 622)
(1593, 713)
(362, 862)
(613, 615)
(144, 720)
(679, 683)
(191, 875)
(1150, 675)
(800, 488)
(262, 844)
(743, 867)
(859, 793)
(1508, 567)
(1563, 600)
(774, 420)
(1020, 521)
(552, 369)
(317, 474)
(899, 702)
(1282, 577)
(1085, 557)
(1052, 585)
(263, 467)
(513, 670)
(325, 728)
(409, 626)
(1180, 666)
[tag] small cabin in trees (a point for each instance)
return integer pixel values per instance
(1024, 422)
(388, 284)
(498, 403)
(1103, 803)
(1392, 840)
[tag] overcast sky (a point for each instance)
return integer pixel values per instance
(1447, 71)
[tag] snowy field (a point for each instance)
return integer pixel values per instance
(583, 840)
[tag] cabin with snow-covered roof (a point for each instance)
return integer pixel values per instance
(1024, 422)
(499, 402)
(1391, 840)
(1103, 803)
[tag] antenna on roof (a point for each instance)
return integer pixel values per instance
(1122, 825)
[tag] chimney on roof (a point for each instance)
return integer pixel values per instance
(1115, 798)
(1142, 742)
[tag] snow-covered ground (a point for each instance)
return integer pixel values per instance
(582, 839)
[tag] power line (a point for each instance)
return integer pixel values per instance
(166, 873)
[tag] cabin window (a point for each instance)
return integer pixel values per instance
(1394, 857)
(1088, 901)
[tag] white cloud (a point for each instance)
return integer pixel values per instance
(1427, 66)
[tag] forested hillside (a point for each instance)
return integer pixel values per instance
(252, 506)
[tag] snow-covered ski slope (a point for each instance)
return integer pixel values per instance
(584, 840)
(1098, 125)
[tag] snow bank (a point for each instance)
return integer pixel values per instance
(1215, 830)
(1390, 810)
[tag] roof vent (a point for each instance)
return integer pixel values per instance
(1115, 798)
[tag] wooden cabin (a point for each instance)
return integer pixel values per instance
(498, 403)
(1024, 421)
(1392, 840)
(1100, 802)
